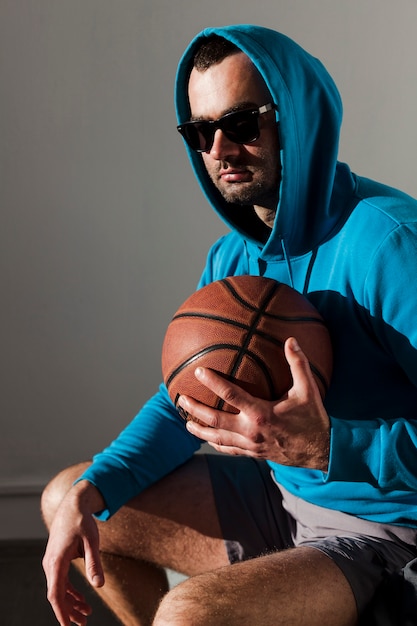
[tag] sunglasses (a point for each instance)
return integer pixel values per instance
(239, 126)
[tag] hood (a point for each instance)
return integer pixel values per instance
(309, 111)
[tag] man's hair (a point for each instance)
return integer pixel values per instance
(212, 50)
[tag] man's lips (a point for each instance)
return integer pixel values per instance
(235, 175)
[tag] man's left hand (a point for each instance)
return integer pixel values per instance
(294, 430)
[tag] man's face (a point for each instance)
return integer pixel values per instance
(246, 174)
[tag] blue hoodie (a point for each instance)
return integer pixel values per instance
(350, 246)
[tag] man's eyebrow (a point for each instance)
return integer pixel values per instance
(241, 106)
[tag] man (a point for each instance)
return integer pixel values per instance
(310, 506)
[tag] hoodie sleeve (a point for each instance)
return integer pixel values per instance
(144, 451)
(383, 450)
(151, 446)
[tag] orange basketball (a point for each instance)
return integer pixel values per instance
(238, 326)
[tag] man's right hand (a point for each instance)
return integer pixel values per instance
(73, 535)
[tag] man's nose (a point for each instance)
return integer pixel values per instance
(222, 146)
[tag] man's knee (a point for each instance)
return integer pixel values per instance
(182, 607)
(56, 489)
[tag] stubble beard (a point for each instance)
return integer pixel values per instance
(262, 190)
(249, 194)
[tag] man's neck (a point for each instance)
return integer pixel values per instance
(266, 215)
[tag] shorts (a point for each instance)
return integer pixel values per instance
(257, 517)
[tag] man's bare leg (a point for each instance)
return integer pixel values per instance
(296, 587)
(133, 588)
(172, 524)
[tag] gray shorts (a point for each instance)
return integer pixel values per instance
(258, 517)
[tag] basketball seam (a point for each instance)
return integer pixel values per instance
(261, 333)
(251, 331)
(259, 312)
(226, 320)
(241, 350)
(222, 346)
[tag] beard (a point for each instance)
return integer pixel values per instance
(250, 194)
(260, 186)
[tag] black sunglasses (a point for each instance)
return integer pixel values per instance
(239, 126)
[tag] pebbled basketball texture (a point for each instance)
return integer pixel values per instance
(238, 326)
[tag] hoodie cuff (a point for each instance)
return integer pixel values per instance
(354, 451)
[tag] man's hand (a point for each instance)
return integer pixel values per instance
(73, 535)
(295, 430)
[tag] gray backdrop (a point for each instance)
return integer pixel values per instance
(104, 231)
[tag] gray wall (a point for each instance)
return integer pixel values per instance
(103, 229)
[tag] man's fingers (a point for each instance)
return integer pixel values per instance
(299, 364)
(231, 393)
(68, 603)
(59, 605)
(93, 567)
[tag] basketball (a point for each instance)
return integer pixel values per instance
(238, 326)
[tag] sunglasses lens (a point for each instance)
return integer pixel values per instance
(198, 135)
(240, 127)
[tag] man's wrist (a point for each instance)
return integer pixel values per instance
(87, 497)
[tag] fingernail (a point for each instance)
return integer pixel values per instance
(183, 413)
(295, 345)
